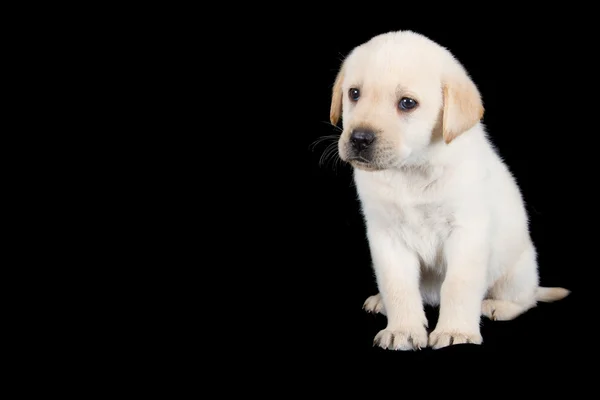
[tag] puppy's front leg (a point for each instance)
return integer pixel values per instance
(462, 291)
(397, 272)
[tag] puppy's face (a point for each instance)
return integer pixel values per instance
(398, 93)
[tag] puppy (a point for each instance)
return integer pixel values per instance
(445, 219)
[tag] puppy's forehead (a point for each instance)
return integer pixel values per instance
(389, 62)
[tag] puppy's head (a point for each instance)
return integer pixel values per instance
(397, 94)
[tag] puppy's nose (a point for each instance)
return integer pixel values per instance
(361, 138)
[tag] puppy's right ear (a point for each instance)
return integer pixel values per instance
(336, 97)
(463, 106)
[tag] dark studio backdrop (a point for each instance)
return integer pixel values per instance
(533, 84)
(245, 236)
(293, 251)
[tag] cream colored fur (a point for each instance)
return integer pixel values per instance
(445, 220)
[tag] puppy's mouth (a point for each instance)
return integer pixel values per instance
(368, 159)
(362, 163)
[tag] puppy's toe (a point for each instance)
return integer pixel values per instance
(442, 338)
(402, 339)
(500, 310)
(374, 305)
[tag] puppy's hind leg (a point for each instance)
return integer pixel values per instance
(502, 310)
(515, 292)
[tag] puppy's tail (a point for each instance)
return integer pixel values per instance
(550, 294)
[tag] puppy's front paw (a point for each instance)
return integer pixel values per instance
(443, 338)
(374, 304)
(402, 339)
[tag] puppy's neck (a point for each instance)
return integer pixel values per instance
(425, 160)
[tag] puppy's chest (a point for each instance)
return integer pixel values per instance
(417, 210)
(417, 216)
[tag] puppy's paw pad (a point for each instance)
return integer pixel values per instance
(401, 339)
(374, 304)
(440, 339)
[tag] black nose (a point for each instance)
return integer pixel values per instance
(361, 138)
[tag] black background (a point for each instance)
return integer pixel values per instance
(283, 230)
(226, 236)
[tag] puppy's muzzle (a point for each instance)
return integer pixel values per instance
(361, 140)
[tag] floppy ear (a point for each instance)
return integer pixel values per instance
(463, 106)
(336, 97)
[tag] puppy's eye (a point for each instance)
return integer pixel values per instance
(354, 94)
(407, 103)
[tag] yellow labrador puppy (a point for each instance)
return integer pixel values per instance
(445, 220)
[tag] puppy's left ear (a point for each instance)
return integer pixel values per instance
(463, 106)
(336, 97)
